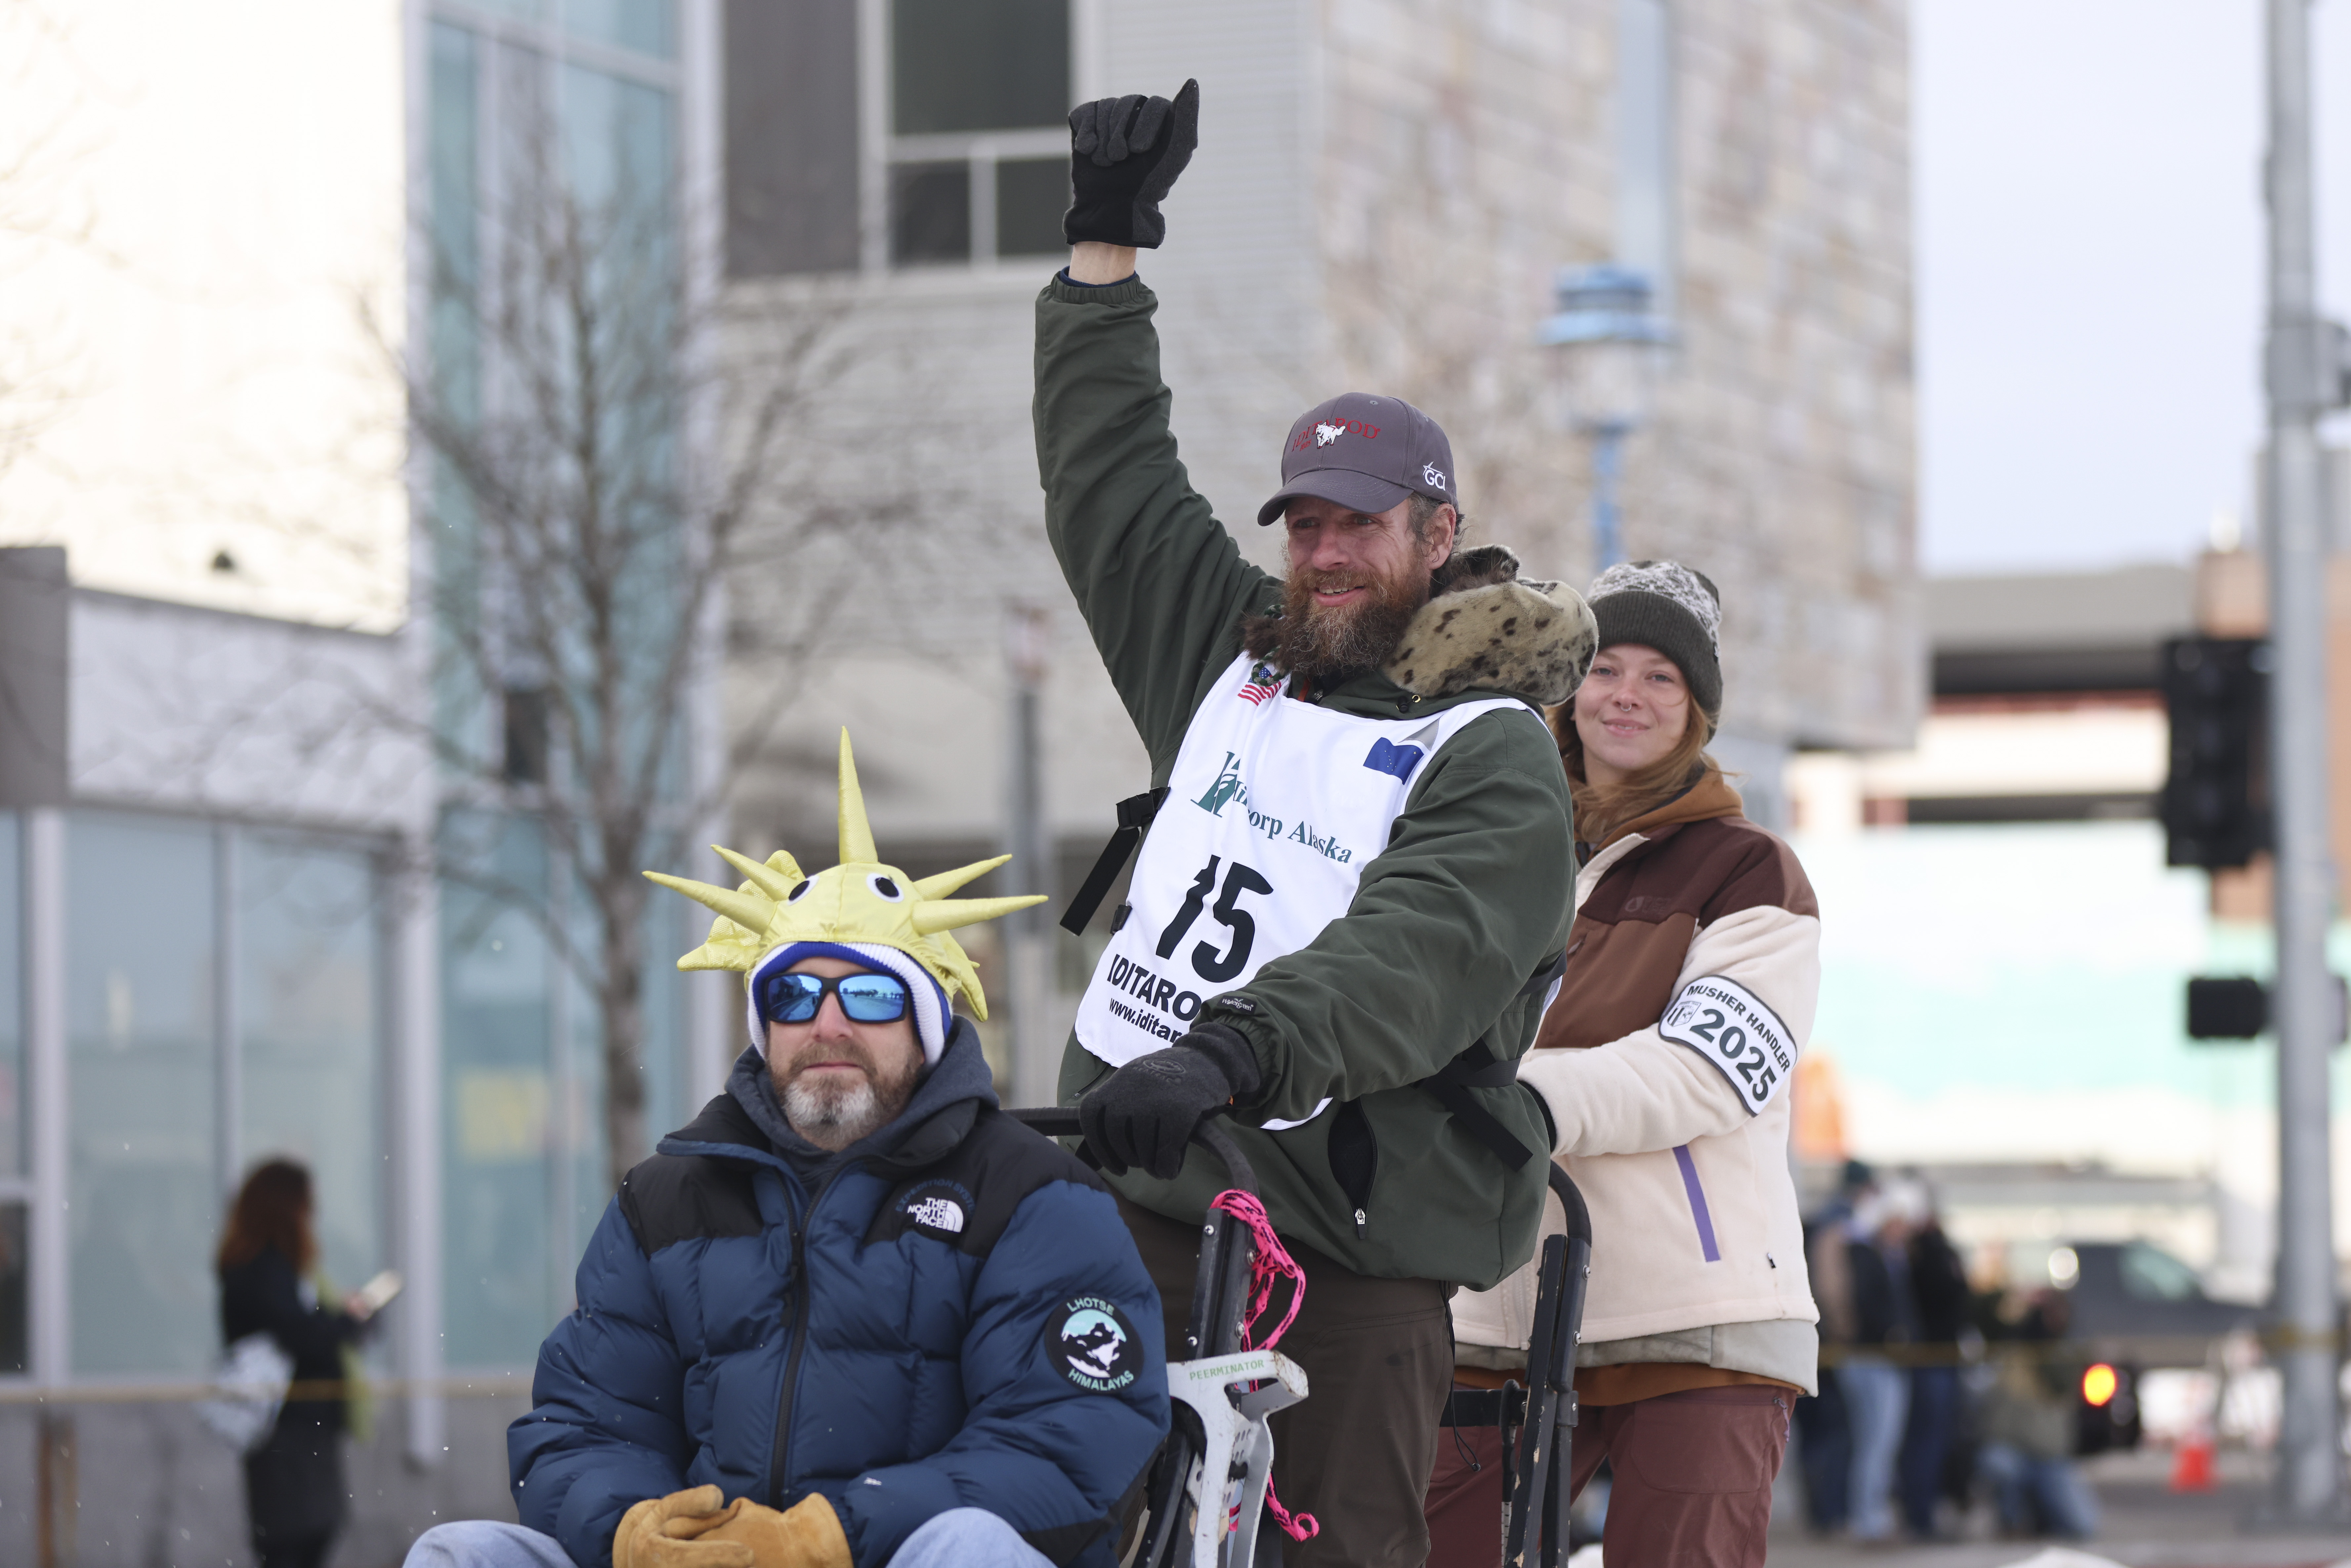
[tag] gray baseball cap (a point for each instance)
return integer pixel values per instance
(1365, 453)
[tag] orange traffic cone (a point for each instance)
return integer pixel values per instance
(2191, 1463)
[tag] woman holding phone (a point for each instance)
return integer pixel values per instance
(1692, 972)
(294, 1489)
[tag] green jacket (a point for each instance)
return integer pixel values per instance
(1472, 898)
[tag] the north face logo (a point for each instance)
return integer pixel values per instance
(938, 1208)
(936, 1214)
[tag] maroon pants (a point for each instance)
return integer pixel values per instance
(1692, 1484)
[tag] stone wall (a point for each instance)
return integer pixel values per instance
(1469, 152)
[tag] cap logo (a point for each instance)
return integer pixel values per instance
(1432, 475)
(1329, 431)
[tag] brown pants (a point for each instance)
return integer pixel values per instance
(1378, 1357)
(1693, 1480)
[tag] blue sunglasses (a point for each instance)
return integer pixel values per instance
(866, 998)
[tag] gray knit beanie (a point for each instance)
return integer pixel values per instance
(1665, 605)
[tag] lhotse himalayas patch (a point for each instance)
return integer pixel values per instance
(1094, 1345)
(941, 1209)
(1729, 1025)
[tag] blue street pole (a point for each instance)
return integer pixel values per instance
(1607, 468)
(1608, 347)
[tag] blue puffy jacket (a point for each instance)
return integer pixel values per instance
(949, 1315)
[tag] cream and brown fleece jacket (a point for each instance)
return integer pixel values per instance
(1688, 921)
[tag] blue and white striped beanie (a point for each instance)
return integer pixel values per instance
(933, 1016)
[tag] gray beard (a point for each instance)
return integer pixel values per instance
(834, 1119)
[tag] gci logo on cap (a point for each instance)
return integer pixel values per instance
(1092, 1344)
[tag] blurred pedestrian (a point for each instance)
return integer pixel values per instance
(1824, 1429)
(1689, 982)
(1877, 1386)
(2031, 1422)
(294, 1492)
(1938, 1286)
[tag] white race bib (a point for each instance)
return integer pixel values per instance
(1272, 811)
(1729, 1025)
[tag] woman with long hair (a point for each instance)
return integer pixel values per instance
(294, 1490)
(1692, 972)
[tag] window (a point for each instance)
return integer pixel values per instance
(968, 146)
(500, 1093)
(144, 1180)
(524, 1179)
(309, 1078)
(2151, 1274)
(222, 1006)
(543, 109)
(980, 104)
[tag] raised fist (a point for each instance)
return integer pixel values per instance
(1125, 155)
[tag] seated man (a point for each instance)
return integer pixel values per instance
(853, 1302)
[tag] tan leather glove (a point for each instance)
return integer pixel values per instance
(806, 1535)
(664, 1532)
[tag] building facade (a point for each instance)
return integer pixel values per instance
(231, 921)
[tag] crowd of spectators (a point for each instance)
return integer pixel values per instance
(1935, 1392)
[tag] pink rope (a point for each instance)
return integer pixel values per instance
(1272, 1261)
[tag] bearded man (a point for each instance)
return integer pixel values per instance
(851, 1315)
(1356, 888)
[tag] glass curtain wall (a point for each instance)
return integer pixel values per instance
(308, 1017)
(523, 1157)
(143, 1180)
(224, 1005)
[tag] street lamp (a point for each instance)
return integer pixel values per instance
(1609, 350)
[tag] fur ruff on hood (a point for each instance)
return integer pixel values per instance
(1484, 626)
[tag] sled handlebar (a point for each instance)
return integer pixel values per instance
(1061, 1121)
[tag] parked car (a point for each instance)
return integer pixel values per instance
(2136, 1292)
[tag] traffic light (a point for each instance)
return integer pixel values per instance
(2229, 1007)
(2215, 804)
(2237, 1007)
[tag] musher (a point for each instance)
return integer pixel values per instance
(853, 1315)
(1345, 920)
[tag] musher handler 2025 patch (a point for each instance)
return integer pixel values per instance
(1729, 1025)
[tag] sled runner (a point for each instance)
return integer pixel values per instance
(1543, 1415)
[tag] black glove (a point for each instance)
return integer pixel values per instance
(1144, 1114)
(1125, 155)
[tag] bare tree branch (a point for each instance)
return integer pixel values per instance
(580, 548)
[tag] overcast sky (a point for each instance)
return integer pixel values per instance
(2089, 270)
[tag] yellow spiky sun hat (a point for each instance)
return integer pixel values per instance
(861, 910)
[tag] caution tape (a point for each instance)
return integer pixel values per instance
(2153, 1350)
